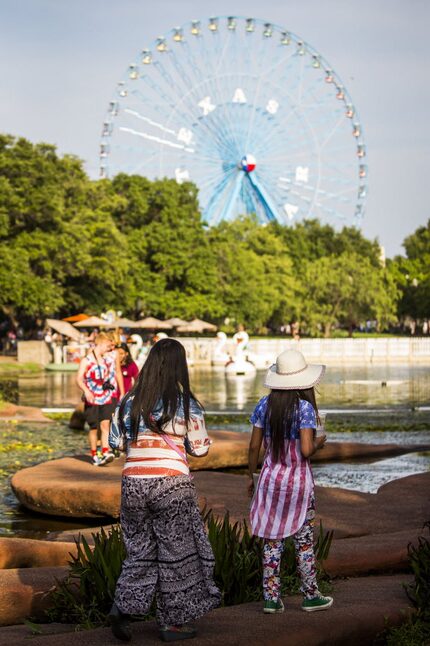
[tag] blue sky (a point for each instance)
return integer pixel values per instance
(61, 59)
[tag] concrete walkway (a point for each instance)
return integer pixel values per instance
(359, 613)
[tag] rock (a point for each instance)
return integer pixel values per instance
(74, 487)
(360, 611)
(27, 553)
(70, 487)
(370, 554)
(25, 593)
(10, 412)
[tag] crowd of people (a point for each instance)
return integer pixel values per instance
(156, 420)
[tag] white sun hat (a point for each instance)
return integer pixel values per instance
(291, 372)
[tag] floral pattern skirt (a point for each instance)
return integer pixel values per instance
(306, 568)
(169, 556)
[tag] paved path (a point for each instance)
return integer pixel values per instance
(358, 614)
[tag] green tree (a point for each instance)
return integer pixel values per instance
(256, 285)
(413, 275)
(345, 290)
(62, 243)
(172, 268)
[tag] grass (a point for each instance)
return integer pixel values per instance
(13, 367)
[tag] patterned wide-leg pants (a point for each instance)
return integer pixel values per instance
(305, 557)
(168, 553)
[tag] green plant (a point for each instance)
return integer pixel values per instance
(238, 560)
(415, 631)
(237, 554)
(419, 591)
(85, 596)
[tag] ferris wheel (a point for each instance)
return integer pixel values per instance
(249, 112)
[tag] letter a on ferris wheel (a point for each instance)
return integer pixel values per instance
(249, 112)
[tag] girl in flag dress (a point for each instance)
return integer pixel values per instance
(283, 502)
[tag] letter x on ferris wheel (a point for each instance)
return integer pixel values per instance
(249, 112)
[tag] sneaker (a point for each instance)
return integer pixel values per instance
(317, 603)
(176, 633)
(106, 458)
(95, 459)
(271, 607)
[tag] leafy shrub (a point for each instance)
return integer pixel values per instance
(416, 630)
(419, 591)
(238, 560)
(85, 596)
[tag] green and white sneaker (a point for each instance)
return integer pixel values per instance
(317, 603)
(272, 607)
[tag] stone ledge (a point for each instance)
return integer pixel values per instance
(25, 593)
(360, 611)
(28, 553)
(72, 486)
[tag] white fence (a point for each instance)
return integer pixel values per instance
(332, 351)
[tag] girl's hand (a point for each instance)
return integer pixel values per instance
(320, 441)
(250, 487)
(89, 396)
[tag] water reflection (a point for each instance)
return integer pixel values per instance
(354, 386)
(368, 477)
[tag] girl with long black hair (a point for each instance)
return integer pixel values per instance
(283, 504)
(168, 552)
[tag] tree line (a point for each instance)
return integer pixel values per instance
(70, 244)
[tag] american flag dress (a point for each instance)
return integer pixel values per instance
(284, 488)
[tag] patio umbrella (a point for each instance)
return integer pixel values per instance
(198, 326)
(175, 321)
(76, 317)
(151, 323)
(122, 322)
(92, 321)
(64, 328)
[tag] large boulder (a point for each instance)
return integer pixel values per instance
(25, 552)
(11, 412)
(26, 592)
(70, 487)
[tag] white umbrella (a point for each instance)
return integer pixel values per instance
(64, 328)
(198, 326)
(175, 321)
(151, 323)
(92, 321)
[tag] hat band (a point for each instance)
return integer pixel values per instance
(295, 372)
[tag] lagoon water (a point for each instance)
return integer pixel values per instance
(368, 386)
(379, 387)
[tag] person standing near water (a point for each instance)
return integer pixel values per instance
(100, 379)
(283, 501)
(168, 553)
(129, 368)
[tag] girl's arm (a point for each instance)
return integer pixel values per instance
(253, 453)
(118, 375)
(308, 444)
(115, 440)
(81, 381)
(197, 438)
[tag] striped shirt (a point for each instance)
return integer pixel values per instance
(281, 499)
(151, 456)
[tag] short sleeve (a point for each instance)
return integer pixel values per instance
(197, 440)
(258, 417)
(115, 439)
(307, 415)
